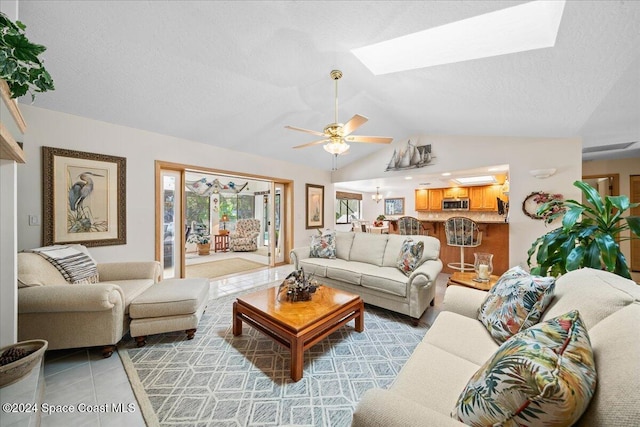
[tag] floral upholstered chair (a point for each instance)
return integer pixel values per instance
(245, 238)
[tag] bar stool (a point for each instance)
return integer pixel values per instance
(409, 225)
(462, 232)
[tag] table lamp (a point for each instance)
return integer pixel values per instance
(224, 220)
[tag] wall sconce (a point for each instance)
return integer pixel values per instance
(542, 173)
(377, 197)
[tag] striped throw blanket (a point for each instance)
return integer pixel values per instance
(74, 265)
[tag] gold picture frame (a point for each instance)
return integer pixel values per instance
(314, 206)
(83, 198)
(394, 206)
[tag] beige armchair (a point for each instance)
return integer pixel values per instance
(79, 315)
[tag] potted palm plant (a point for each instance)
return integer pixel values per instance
(589, 235)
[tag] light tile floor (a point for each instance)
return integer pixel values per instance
(82, 376)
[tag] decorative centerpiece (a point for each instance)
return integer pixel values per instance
(297, 286)
(379, 221)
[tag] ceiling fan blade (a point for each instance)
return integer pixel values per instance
(309, 144)
(373, 139)
(354, 123)
(312, 132)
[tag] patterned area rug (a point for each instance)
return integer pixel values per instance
(223, 267)
(217, 379)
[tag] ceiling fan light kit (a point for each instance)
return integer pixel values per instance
(337, 134)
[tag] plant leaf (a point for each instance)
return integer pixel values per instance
(621, 266)
(571, 217)
(608, 250)
(591, 194)
(634, 224)
(592, 256)
(574, 259)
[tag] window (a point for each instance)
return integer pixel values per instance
(347, 207)
(237, 207)
(198, 208)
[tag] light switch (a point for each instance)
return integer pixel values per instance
(34, 220)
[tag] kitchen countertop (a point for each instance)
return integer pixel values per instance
(479, 221)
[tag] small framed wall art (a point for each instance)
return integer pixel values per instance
(314, 206)
(83, 198)
(394, 206)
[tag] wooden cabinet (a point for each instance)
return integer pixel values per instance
(484, 198)
(422, 200)
(435, 199)
(476, 198)
(490, 199)
(455, 192)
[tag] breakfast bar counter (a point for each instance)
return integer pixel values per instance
(495, 240)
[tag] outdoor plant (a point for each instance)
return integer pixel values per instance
(587, 237)
(20, 66)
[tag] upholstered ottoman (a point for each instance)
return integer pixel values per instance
(167, 306)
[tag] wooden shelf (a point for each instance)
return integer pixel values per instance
(9, 148)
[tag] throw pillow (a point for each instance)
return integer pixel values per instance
(323, 245)
(515, 303)
(543, 376)
(409, 257)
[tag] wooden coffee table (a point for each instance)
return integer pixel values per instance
(298, 325)
(466, 279)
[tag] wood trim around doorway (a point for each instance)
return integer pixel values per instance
(288, 202)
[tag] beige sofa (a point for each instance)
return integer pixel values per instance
(79, 315)
(427, 387)
(365, 264)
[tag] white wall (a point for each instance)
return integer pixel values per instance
(8, 232)
(8, 242)
(469, 152)
(141, 149)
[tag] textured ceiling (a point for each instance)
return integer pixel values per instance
(233, 74)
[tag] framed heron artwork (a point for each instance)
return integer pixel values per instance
(83, 198)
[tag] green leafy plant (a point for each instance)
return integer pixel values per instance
(381, 217)
(588, 234)
(199, 238)
(20, 66)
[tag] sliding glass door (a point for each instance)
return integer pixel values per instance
(171, 225)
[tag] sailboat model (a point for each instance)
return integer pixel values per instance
(411, 157)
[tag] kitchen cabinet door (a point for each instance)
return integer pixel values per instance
(476, 198)
(435, 199)
(455, 192)
(422, 200)
(490, 197)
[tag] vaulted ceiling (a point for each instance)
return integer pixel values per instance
(234, 73)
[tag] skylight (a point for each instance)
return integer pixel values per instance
(465, 180)
(528, 26)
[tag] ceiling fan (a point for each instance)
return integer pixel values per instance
(337, 134)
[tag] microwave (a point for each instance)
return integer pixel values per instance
(455, 204)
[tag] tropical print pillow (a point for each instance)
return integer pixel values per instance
(543, 376)
(410, 255)
(515, 303)
(323, 245)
